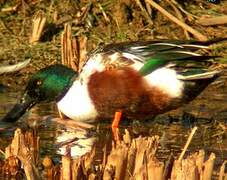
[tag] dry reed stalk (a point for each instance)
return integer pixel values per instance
(66, 168)
(142, 174)
(208, 167)
(87, 160)
(107, 19)
(155, 169)
(131, 155)
(33, 142)
(168, 167)
(74, 51)
(92, 177)
(193, 167)
(179, 16)
(68, 51)
(190, 169)
(185, 169)
(141, 147)
(199, 158)
(82, 50)
(144, 12)
(222, 174)
(72, 124)
(194, 32)
(76, 169)
(104, 158)
(117, 160)
(130, 163)
(21, 149)
(37, 26)
(187, 143)
(176, 173)
(127, 138)
(145, 150)
(188, 14)
(11, 167)
(211, 21)
(11, 9)
(128, 158)
(48, 168)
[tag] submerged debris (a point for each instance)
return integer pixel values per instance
(14, 68)
(130, 158)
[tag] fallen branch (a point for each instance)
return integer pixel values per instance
(72, 123)
(194, 32)
(179, 15)
(220, 20)
(144, 12)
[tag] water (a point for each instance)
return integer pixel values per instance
(208, 112)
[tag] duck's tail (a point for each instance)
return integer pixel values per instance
(195, 84)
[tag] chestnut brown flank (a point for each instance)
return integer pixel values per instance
(126, 90)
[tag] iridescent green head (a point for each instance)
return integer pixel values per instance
(48, 84)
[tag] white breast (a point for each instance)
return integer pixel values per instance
(76, 104)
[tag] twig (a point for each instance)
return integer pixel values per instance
(212, 21)
(144, 12)
(66, 168)
(72, 123)
(2, 23)
(195, 33)
(179, 15)
(187, 143)
(104, 13)
(149, 9)
(189, 15)
(19, 147)
(11, 9)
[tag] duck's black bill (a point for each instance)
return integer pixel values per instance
(19, 109)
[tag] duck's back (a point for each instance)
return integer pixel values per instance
(144, 79)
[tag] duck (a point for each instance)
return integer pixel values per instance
(138, 80)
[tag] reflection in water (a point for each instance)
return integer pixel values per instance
(75, 142)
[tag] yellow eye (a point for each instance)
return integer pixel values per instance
(39, 83)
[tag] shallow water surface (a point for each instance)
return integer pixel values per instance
(209, 113)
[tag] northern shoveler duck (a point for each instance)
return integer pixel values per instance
(139, 79)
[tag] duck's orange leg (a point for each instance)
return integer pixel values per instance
(115, 123)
